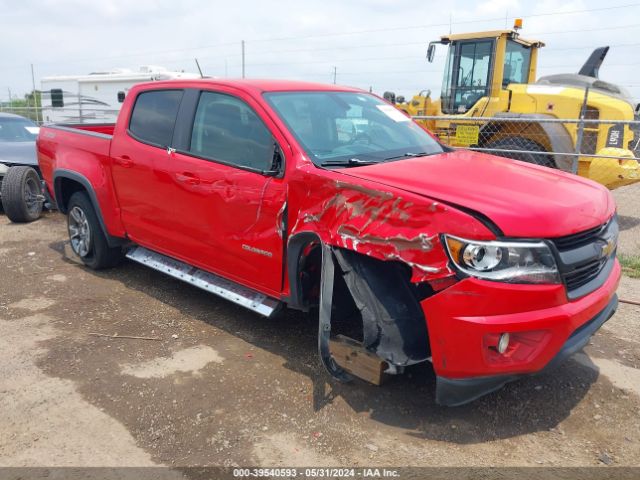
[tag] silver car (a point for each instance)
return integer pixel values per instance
(20, 186)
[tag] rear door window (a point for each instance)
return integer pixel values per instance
(154, 116)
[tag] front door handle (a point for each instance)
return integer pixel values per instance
(124, 161)
(188, 178)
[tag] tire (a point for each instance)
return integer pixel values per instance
(22, 197)
(521, 143)
(86, 236)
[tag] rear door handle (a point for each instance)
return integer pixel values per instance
(124, 161)
(188, 178)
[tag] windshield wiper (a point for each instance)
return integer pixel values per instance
(409, 155)
(348, 163)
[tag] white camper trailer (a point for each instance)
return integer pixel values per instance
(96, 97)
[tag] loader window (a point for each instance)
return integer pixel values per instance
(516, 63)
(467, 75)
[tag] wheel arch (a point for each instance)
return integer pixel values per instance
(295, 249)
(65, 184)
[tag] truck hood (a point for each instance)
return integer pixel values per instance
(523, 200)
(21, 153)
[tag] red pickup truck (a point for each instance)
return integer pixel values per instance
(273, 193)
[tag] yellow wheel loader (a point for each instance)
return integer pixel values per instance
(491, 100)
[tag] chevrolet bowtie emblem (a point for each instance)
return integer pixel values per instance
(608, 247)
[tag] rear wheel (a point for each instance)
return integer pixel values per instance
(86, 236)
(527, 154)
(22, 196)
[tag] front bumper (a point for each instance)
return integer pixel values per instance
(458, 391)
(545, 328)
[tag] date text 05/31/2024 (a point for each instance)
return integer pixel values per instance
(316, 472)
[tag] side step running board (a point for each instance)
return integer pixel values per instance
(222, 287)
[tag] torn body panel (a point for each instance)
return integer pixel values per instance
(384, 243)
(380, 222)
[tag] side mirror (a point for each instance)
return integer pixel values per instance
(121, 96)
(400, 99)
(276, 162)
(431, 51)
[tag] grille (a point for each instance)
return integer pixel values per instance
(578, 239)
(583, 275)
(580, 267)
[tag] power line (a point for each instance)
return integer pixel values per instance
(395, 57)
(339, 47)
(420, 71)
(424, 42)
(356, 32)
(461, 22)
(617, 27)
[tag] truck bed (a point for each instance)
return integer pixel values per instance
(102, 128)
(82, 149)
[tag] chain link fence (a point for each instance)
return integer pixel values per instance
(606, 151)
(67, 114)
(17, 108)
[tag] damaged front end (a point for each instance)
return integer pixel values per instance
(393, 326)
(377, 256)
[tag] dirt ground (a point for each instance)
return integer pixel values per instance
(223, 386)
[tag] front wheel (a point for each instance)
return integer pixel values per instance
(87, 239)
(22, 196)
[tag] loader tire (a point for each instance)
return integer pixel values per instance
(521, 143)
(22, 197)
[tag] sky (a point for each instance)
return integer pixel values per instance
(377, 44)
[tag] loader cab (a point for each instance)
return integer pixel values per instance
(480, 67)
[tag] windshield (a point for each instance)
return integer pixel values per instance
(350, 127)
(17, 130)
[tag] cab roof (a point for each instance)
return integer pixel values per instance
(255, 85)
(514, 35)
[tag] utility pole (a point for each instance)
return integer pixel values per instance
(335, 72)
(10, 101)
(242, 58)
(35, 96)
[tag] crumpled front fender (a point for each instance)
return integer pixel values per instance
(380, 221)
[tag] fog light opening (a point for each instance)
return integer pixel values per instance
(503, 343)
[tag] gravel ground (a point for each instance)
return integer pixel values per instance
(223, 386)
(628, 201)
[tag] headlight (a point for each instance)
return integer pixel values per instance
(512, 262)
